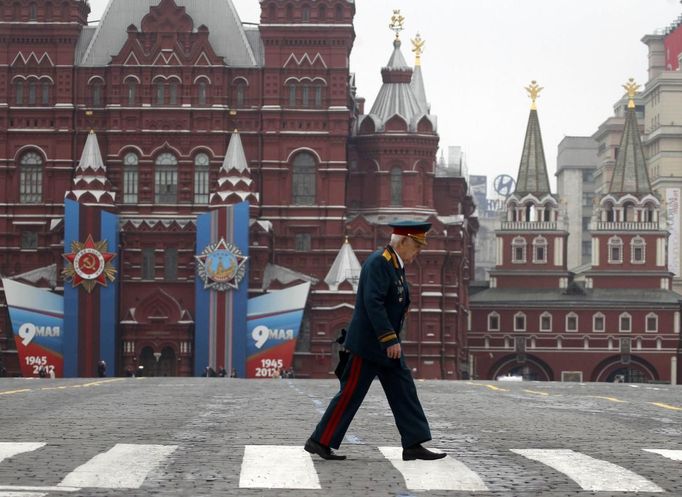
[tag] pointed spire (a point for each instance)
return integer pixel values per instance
(417, 83)
(345, 267)
(532, 177)
(630, 173)
(234, 179)
(90, 185)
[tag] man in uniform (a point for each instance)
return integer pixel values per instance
(374, 344)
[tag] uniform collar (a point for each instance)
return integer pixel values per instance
(401, 264)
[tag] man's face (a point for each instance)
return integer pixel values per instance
(411, 250)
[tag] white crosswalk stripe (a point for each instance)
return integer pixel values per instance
(22, 494)
(675, 455)
(443, 474)
(11, 449)
(123, 466)
(590, 473)
(278, 466)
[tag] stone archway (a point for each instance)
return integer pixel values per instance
(167, 364)
(531, 368)
(635, 370)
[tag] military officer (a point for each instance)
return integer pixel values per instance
(374, 343)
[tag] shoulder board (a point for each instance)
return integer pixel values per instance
(387, 255)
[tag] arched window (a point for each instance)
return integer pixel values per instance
(30, 178)
(304, 179)
(130, 178)
(615, 250)
(318, 88)
(45, 92)
(545, 321)
(96, 91)
(201, 92)
(339, 12)
(32, 92)
(493, 321)
(305, 13)
(396, 186)
(519, 250)
(571, 321)
(173, 92)
(652, 322)
(290, 11)
(292, 94)
(638, 250)
(519, 321)
(649, 214)
(629, 212)
(19, 92)
(625, 323)
(540, 250)
(598, 322)
(272, 11)
(32, 12)
(322, 12)
(240, 93)
(305, 96)
(166, 179)
(547, 213)
(201, 175)
(610, 213)
(131, 91)
(160, 93)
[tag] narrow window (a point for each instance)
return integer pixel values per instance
(19, 92)
(201, 174)
(170, 266)
(545, 322)
(173, 93)
(302, 242)
(652, 323)
(31, 92)
(30, 178)
(96, 94)
(493, 322)
(160, 90)
(131, 88)
(305, 95)
(148, 263)
(166, 179)
(571, 322)
(240, 94)
(396, 186)
(130, 178)
(304, 179)
(45, 93)
(318, 96)
(625, 323)
(201, 93)
(520, 322)
(598, 324)
(292, 95)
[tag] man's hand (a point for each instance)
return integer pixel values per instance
(393, 352)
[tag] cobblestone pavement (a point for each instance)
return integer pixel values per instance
(205, 437)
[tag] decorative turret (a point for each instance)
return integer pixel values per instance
(234, 180)
(629, 237)
(346, 267)
(401, 103)
(90, 185)
(532, 200)
(531, 246)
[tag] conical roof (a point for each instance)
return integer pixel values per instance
(346, 267)
(90, 184)
(396, 95)
(234, 179)
(630, 174)
(532, 177)
(419, 89)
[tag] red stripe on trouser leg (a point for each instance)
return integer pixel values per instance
(348, 392)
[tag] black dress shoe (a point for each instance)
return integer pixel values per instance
(322, 450)
(419, 452)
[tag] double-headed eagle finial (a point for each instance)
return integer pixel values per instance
(533, 91)
(418, 44)
(397, 21)
(631, 87)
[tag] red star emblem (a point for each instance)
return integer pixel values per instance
(89, 264)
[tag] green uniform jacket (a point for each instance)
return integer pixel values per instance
(382, 301)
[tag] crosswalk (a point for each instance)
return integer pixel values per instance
(128, 466)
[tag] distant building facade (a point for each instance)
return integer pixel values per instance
(622, 323)
(576, 167)
(192, 110)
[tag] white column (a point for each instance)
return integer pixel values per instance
(673, 370)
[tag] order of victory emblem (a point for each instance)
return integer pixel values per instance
(221, 266)
(89, 264)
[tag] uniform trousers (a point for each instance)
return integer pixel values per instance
(401, 394)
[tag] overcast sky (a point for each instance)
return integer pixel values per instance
(479, 55)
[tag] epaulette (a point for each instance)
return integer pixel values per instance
(387, 255)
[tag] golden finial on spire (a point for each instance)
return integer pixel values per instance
(418, 49)
(631, 87)
(397, 23)
(533, 91)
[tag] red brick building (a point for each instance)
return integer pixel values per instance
(164, 86)
(618, 320)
